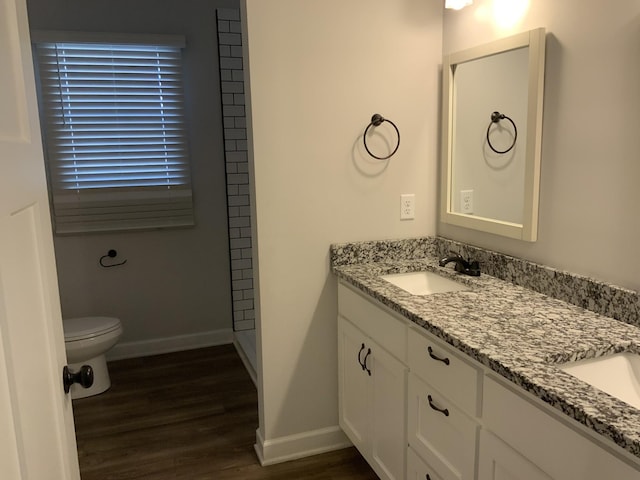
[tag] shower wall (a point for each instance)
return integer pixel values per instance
(237, 166)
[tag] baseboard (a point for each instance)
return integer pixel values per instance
(299, 445)
(177, 343)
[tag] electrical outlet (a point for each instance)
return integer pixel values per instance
(466, 201)
(407, 206)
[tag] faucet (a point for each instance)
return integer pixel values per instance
(462, 266)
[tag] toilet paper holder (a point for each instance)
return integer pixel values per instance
(110, 254)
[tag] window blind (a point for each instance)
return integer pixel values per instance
(114, 132)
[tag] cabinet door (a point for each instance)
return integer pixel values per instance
(498, 461)
(388, 420)
(354, 385)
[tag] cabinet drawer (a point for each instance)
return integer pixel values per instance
(417, 469)
(438, 365)
(374, 321)
(440, 432)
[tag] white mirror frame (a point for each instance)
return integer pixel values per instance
(528, 230)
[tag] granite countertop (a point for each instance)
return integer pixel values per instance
(518, 333)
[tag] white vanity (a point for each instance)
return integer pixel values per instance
(419, 408)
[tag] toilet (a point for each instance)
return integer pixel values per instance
(86, 340)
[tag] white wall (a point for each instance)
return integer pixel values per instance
(175, 282)
(589, 198)
(318, 72)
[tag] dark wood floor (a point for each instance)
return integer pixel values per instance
(187, 416)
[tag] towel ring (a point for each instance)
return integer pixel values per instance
(495, 118)
(376, 121)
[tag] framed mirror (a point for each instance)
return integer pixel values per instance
(492, 136)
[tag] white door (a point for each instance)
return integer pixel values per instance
(37, 439)
(498, 461)
(354, 390)
(388, 421)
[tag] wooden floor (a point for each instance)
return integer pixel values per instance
(187, 416)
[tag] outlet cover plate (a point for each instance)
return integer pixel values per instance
(407, 206)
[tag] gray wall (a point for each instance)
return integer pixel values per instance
(176, 283)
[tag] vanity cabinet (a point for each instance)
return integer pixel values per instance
(442, 407)
(523, 435)
(416, 408)
(372, 383)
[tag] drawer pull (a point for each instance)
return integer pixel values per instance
(364, 364)
(444, 360)
(360, 353)
(444, 411)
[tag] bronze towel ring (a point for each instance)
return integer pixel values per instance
(495, 118)
(376, 121)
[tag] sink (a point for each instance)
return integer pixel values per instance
(424, 283)
(618, 375)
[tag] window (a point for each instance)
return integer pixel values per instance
(114, 135)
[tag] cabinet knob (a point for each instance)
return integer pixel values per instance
(444, 360)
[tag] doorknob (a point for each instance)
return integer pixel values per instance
(84, 377)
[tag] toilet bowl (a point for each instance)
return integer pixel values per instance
(86, 340)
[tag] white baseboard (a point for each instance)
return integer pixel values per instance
(157, 346)
(299, 445)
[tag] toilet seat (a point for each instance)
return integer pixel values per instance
(83, 328)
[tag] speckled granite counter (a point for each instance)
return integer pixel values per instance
(514, 331)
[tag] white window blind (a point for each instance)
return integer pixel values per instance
(115, 135)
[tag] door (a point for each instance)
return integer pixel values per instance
(498, 461)
(37, 439)
(388, 421)
(371, 401)
(354, 391)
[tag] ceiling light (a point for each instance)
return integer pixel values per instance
(457, 4)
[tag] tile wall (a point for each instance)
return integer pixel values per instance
(237, 165)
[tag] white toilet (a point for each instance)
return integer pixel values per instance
(87, 339)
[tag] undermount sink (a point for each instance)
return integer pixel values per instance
(618, 375)
(423, 283)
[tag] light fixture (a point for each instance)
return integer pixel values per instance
(457, 4)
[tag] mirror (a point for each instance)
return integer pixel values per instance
(492, 135)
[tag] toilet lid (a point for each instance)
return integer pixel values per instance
(87, 327)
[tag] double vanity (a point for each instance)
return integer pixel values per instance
(451, 376)
(459, 363)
